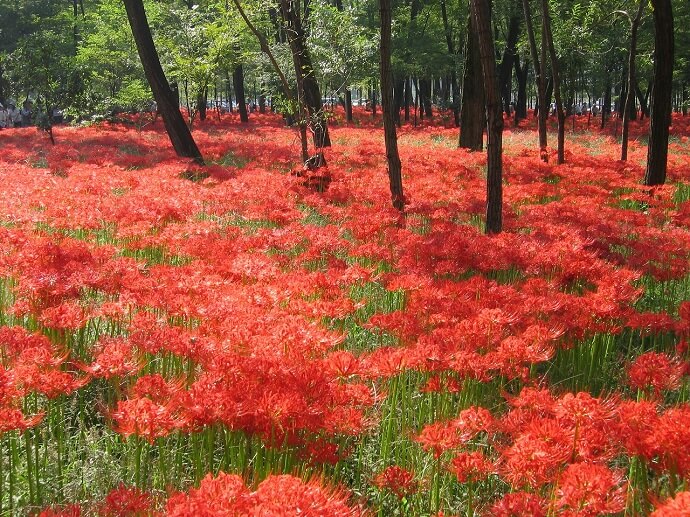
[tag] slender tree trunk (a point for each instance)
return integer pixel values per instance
(454, 75)
(548, 42)
(606, 108)
(201, 99)
(494, 147)
(630, 98)
(2, 86)
(306, 78)
(398, 98)
(373, 100)
(643, 98)
(348, 105)
(238, 86)
(521, 104)
(540, 73)
(660, 116)
(472, 113)
(262, 99)
(391, 139)
(263, 44)
(425, 96)
(408, 98)
(177, 130)
(505, 69)
(684, 98)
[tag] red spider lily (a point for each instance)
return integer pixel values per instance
(440, 437)
(156, 388)
(679, 506)
(636, 423)
(401, 482)
(70, 510)
(144, 418)
(116, 358)
(277, 495)
(669, 438)
(12, 419)
(538, 453)
(518, 504)
(343, 363)
(126, 502)
(585, 489)
(470, 466)
(656, 371)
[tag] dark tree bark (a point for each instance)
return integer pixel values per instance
(547, 41)
(630, 98)
(454, 75)
(263, 44)
(306, 78)
(391, 139)
(348, 105)
(177, 130)
(262, 100)
(374, 101)
(408, 98)
(398, 98)
(643, 98)
(201, 99)
(606, 108)
(2, 86)
(660, 116)
(540, 73)
(238, 86)
(494, 147)
(521, 76)
(505, 73)
(425, 96)
(472, 113)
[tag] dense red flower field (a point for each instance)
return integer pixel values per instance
(226, 340)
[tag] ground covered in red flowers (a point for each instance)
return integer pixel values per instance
(229, 340)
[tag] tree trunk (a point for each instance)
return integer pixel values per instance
(306, 78)
(398, 99)
(425, 96)
(606, 108)
(262, 100)
(630, 98)
(348, 105)
(391, 139)
(454, 74)
(540, 73)
(521, 76)
(238, 86)
(472, 113)
(494, 147)
(263, 44)
(657, 151)
(547, 40)
(178, 132)
(201, 99)
(643, 98)
(408, 98)
(507, 62)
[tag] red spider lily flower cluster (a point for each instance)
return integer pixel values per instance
(30, 364)
(397, 480)
(277, 496)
